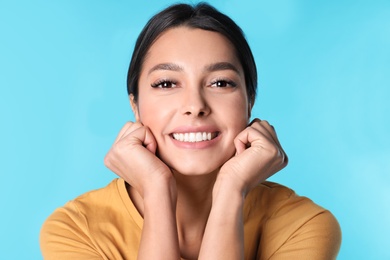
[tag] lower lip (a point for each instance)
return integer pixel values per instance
(196, 145)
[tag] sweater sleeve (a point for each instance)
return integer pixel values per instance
(317, 239)
(64, 235)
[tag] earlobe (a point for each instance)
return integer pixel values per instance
(134, 107)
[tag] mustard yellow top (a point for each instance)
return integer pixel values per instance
(104, 224)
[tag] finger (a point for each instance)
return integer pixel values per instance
(259, 135)
(263, 157)
(272, 131)
(263, 128)
(276, 139)
(263, 124)
(259, 124)
(137, 134)
(269, 131)
(127, 129)
(149, 141)
(122, 131)
(240, 143)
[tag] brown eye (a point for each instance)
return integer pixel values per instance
(164, 84)
(223, 84)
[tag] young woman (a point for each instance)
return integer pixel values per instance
(192, 167)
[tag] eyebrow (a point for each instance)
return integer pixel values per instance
(209, 68)
(221, 66)
(166, 66)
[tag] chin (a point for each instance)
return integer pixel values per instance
(190, 163)
(195, 172)
(196, 167)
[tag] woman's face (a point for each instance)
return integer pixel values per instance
(192, 96)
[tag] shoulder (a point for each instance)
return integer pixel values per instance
(273, 199)
(75, 212)
(91, 202)
(94, 201)
(93, 206)
(286, 222)
(88, 223)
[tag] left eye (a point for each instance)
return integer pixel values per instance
(164, 84)
(223, 84)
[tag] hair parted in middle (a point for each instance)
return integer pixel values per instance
(201, 16)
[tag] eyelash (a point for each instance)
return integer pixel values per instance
(228, 83)
(162, 84)
(172, 84)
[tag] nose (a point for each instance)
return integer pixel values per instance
(194, 103)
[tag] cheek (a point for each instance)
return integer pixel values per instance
(145, 114)
(153, 114)
(239, 112)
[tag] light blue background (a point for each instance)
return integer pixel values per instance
(324, 84)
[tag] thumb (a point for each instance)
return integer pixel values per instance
(149, 141)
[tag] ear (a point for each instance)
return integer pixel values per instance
(134, 107)
(250, 106)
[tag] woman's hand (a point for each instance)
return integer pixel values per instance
(258, 156)
(132, 157)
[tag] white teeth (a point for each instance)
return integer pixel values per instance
(194, 137)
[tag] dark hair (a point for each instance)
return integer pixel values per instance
(201, 16)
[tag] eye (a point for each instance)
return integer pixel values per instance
(223, 83)
(164, 84)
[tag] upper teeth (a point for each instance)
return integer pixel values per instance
(194, 137)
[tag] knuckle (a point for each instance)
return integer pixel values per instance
(255, 121)
(274, 151)
(264, 122)
(285, 160)
(119, 147)
(107, 160)
(128, 124)
(136, 125)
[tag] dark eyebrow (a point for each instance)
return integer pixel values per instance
(210, 68)
(221, 66)
(166, 66)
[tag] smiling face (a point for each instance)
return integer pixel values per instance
(192, 96)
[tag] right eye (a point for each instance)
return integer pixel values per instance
(164, 84)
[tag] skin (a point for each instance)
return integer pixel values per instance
(191, 194)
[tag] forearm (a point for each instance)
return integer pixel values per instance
(224, 234)
(159, 234)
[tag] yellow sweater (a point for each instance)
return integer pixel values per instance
(104, 224)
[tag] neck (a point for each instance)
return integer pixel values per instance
(194, 194)
(194, 197)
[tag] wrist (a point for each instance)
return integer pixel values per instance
(226, 189)
(228, 183)
(160, 189)
(227, 204)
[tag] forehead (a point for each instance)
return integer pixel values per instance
(189, 45)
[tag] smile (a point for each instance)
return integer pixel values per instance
(194, 137)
